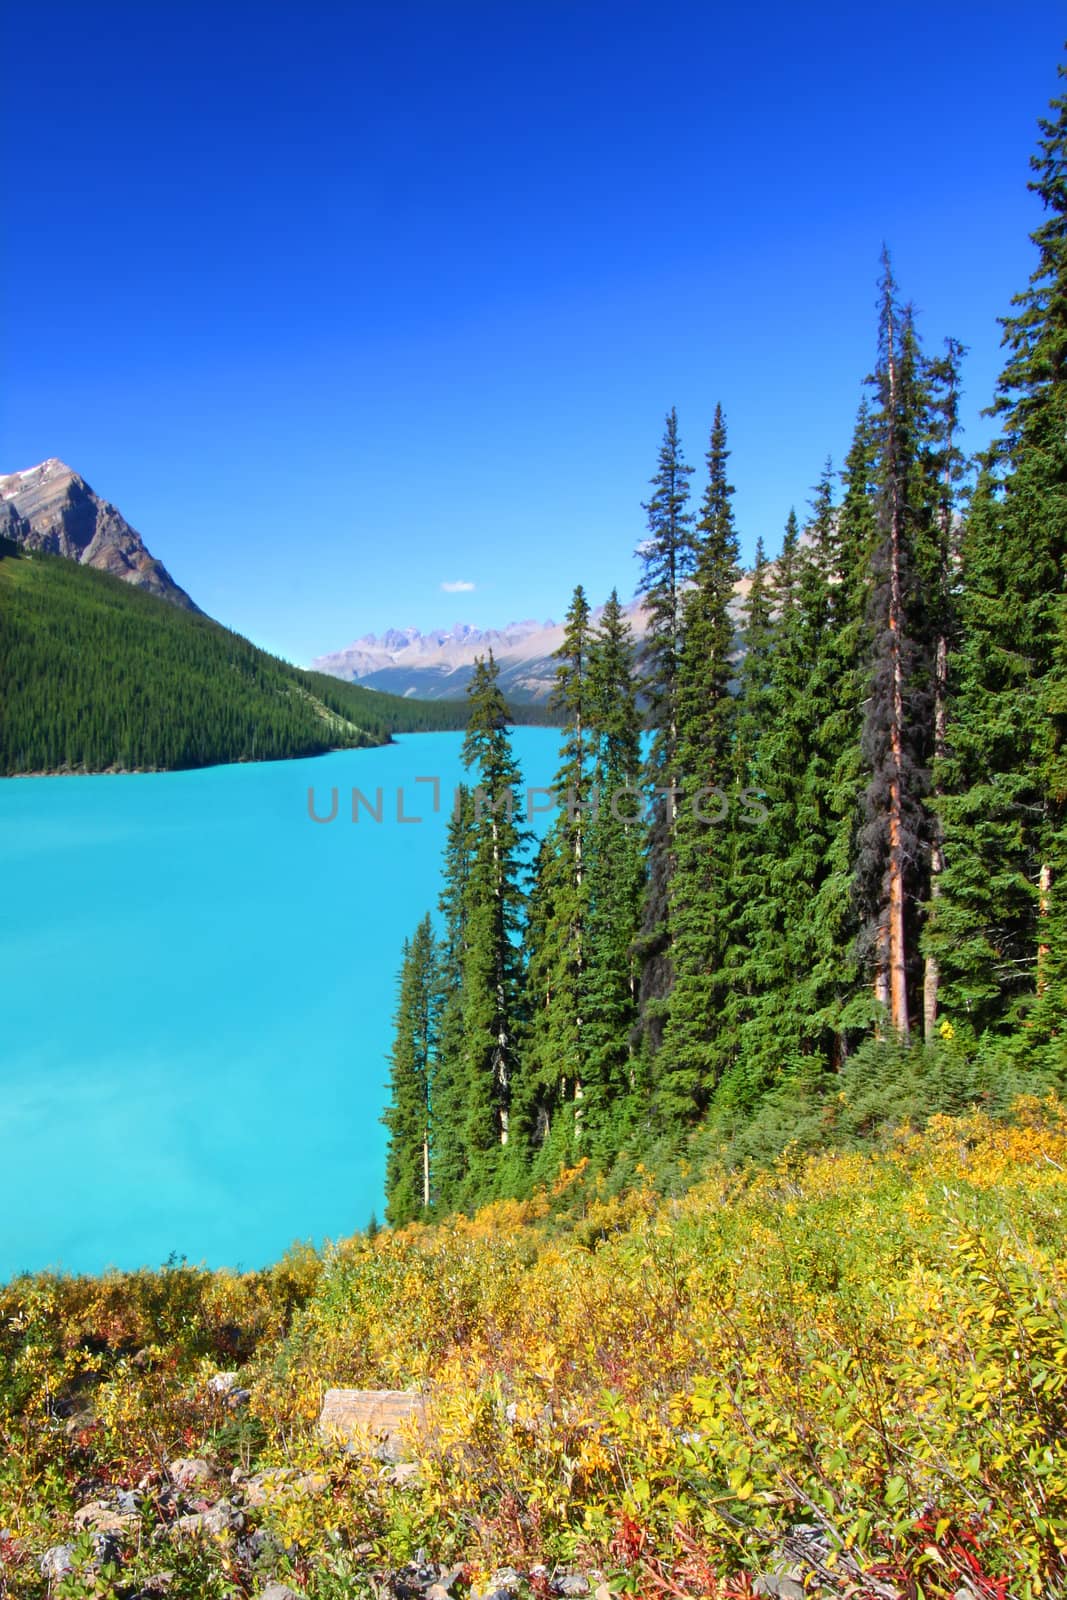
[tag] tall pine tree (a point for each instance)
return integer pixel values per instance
(412, 1066)
(668, 557)
(695, 1050)
(1001, 919)
(490, 974)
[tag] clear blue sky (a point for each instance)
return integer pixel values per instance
(343, 302)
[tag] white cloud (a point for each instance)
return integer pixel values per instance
(459, 586)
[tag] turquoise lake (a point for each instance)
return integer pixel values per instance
(198, 985)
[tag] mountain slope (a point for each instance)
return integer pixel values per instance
(97, 675)
(51, 508)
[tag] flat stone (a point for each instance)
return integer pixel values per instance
(278, 1591)
(571, 1585)
(372, 1421)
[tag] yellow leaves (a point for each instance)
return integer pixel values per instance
(882, 1338)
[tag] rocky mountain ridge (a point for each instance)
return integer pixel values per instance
(438, 665)
(50, 507)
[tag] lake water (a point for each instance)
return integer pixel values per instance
(197, 988)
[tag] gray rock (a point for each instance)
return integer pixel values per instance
(779, 1588)
(278, 1591)
(571, 1585)
(51, 508)
(504, 1584)
(57, 1562)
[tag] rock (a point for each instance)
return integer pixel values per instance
(80, 1423)
(437, 1591)
(57, 1562)
(278, 1591)
(372, 1421)
(603, 1592)
(129, 1501)
(414, 1581)
(570, 1585)
(56, 511)
(779, 1588)
(282, 1483)
(505, 1584)
(156, 1584)
(225, 1386)
(218, 1519)
(99, 1517)
(189, 1473)
(404, 1474)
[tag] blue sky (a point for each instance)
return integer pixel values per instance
(340, 303)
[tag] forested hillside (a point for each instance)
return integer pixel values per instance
(833, 894)
(97, 675)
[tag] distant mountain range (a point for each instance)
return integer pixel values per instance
(438, 665)
(51, 508)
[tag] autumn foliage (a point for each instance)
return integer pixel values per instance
(849, 1366)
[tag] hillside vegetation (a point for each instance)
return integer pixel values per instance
(100, 676)
(850, 1366)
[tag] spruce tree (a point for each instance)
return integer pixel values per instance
(695, 1050)
(551, 1103)
(1000, 921)
(668, 557)
(450, 1150)
(490, 975)
(412, 1065)
(615, 881)
(948, 464)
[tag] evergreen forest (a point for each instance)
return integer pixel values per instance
(99, 676)
(807, 874)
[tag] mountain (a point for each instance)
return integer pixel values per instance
(51, 508)
(99, 675)
(438, 665)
